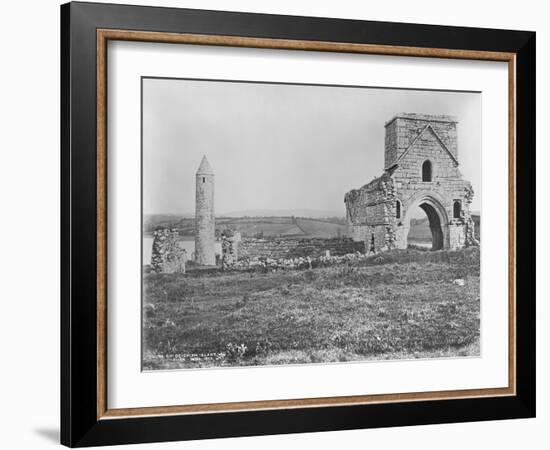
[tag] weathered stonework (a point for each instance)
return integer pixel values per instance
(421, 169)
(230, 248)
(298, 263)
(205, 227)
(167, 256)
(236, 249)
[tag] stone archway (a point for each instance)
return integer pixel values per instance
(437, 219)
(435, 225)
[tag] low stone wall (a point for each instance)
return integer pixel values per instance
(300, 263)
(236, 249)
(296, 248)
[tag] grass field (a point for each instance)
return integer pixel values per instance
(395, 305)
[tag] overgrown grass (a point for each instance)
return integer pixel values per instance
(400, 304)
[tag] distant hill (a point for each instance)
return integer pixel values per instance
(153, 221)
(308, 213)
(280, 226)
(271, 226)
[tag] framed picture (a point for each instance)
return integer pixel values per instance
(276, 224)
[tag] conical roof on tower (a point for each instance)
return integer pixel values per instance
(204, 167)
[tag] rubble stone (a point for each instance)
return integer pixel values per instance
(289, 253)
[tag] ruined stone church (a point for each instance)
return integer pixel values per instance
(421, 169)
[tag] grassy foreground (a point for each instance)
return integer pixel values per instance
(399, 304)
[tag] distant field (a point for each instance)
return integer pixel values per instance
(420, 230)
(321, 228)
(399, 304)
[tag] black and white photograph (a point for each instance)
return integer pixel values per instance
(301, 224)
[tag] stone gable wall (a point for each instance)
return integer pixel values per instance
(447, 183)
(427, 147)
(167, 256)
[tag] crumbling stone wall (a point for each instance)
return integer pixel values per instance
(299, 263)
(379, 212)
(167, 256)
(235, 248)
(230, 247)
(370, 213)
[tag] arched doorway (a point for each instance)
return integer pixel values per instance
(425, 223)
(432, 224)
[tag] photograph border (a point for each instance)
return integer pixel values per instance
(121, 412)
(86, 29)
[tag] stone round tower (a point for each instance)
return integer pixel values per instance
(204, 215)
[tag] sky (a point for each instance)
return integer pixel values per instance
(281, 147)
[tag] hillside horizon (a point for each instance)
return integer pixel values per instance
(289, 226)
(304, 213)
(307, 213)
